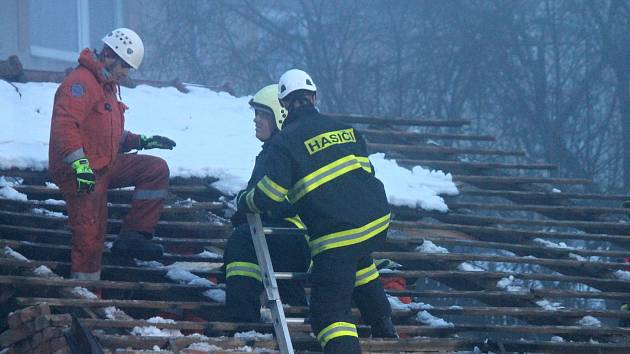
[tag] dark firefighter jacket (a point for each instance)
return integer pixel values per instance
(283, 211)
(321, 166)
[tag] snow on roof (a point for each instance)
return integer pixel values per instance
(214, 132)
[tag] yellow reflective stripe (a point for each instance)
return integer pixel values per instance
(366, 275)
(296, 221)
(336, 329)
(349, 237)
(323, 175)
(271, 189)
(249, 198)
(365, 163)
(245, 269)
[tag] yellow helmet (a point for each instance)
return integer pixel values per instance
(267, 100)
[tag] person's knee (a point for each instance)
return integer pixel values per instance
(161, 169)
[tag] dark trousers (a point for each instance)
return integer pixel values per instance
(289, 253)
(332, 277)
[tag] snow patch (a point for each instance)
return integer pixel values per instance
(253, 335)
(8, 251)
(622, 274)
(419, 187)
(550, 244)
(469, 267)
(154, 331)
(549, 306)
(54, 202)
(43, 271)
(185, 277)
(83, 293)
(51, 185)
(430, 247)
(46, 212)
(205, 347)
(208, 254)
(510, 284)
(590, 321)
(184, 118)
(10, 193)
(432, 321)
(398, 305)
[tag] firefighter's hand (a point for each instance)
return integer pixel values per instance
(156, 142)
(84, 175)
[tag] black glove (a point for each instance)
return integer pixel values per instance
(156, 142)
(85, 176)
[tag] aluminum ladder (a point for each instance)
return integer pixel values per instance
(271, 286)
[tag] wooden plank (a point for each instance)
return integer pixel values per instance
(414, 136)
(198, 191)
(519, 180)
(438, 150)
(410, 345)
(620, 285)
(230, 344)
(20, 281)
(417, 256)
(41, 235)
(532, 249)
(600, 226)
(395, 121)
(532, 294)
(25, 205)
(542, 197)
(304, 311)
(508, 235)
(565, 209)
(175, 229)
(52, 250)
(461, 165)
(403, 329)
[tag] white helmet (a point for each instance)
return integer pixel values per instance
(294, 80)
(267, 100)
(127, 45)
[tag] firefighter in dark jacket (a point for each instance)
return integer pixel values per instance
(86, 157)
(289, 253)
(321, 167)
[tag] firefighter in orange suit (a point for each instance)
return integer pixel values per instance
(87, 142)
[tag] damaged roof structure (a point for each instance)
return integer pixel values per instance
(515, 265)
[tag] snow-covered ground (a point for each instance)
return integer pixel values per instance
(214, 134)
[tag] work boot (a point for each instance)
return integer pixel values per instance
(137, 245)
(384, 328)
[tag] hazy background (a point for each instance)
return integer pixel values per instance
(547, 76)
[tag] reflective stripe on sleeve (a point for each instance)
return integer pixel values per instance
(366, 275)
(249, 198)
(73, 156)
(323, 175)
(336, 329)
(150, 194)
(272, 190)
(296, 221)
(245, 269)
(365, 163)
(349, 237)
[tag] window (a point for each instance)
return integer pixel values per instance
(61, 29)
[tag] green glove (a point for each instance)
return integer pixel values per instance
(85, 176)
(156, 142)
